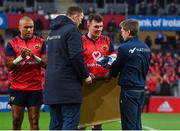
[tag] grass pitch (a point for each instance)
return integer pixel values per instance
(150, 122)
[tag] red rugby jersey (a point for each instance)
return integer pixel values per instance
(92, 50)
(27, 75)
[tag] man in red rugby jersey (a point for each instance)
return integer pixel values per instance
(26, 55)
(96, 45)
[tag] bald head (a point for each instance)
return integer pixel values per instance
(25, 19)
(26, 27)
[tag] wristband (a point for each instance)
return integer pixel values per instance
(38, 59)
(17, 60)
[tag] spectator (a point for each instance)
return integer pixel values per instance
(159, 38)
(142, 10)
(176, 44)
(20, 10)
(165, 45)
(90, 10)
(172, 9)
(40, 11)
(148, 41)
(10, 9)
(131, 6)
(152, 83)
(111, 29)
(154, 8)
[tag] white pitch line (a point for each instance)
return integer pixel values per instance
(149, 128)
(146, 127)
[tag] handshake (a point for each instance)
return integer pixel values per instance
(106, 61)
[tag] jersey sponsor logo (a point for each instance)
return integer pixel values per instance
(28, 63)
(93, 65)
(37, 46)
(104, 47)
(96, 55)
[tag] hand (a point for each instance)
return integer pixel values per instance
(92, 75)
(26, 52)
(23, 53)
(88, 80)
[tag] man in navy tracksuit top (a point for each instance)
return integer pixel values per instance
(132, 65)
(65, 71)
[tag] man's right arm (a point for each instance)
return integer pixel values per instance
(75, 54)
(118, 63)
(11, 61)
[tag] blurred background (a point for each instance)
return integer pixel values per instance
(160, 29)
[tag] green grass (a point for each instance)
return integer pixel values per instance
(150, 122)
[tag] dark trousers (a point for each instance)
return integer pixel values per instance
(131, 103)
(64, 116)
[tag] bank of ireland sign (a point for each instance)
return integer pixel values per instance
(168, 23)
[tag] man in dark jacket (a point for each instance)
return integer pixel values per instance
(65, 71)
(132, 63)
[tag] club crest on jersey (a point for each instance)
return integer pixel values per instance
(96, 55)
(104, 47)
(36, 46)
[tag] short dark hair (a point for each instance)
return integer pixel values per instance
(72, 10)
(96, 17)
(132, 25)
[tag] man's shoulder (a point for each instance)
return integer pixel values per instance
(125, 45)
(38, 38)
(14, 40)
(105, 37)
(70, 27)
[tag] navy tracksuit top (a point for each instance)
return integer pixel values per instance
(132, 64)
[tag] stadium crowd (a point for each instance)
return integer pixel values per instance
(164, 74)
(135, 7)
(4, 82)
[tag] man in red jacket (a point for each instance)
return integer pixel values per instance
(96, 45)
(26, 55)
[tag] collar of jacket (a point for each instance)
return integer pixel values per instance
(132, 38)
(60, 21)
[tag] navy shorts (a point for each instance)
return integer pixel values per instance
(26, 98)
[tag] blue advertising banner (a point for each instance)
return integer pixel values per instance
(5, 107)
(163, 23)
(3, 21)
